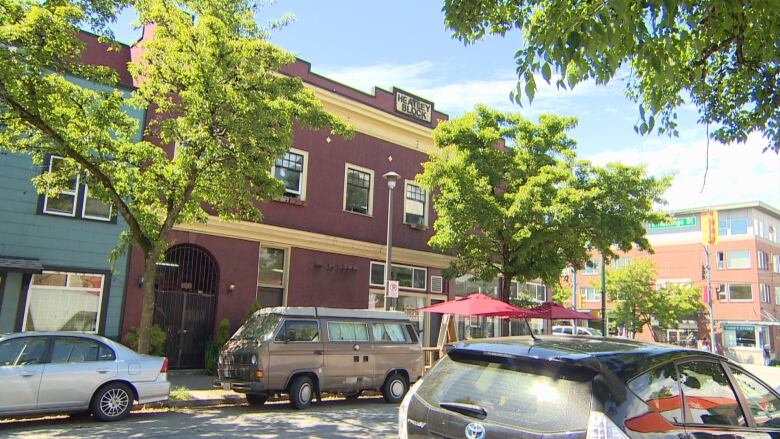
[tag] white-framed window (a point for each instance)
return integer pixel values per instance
(65, 203)
(291, 170)
(776, 263)
(591, 267)
(411, 278)
(415, 204)
(720, 259)
(64, 301)
(722, 293)
(777, 295)
(590, 294)
(763, 260)
(764, 291)
(732, 226)
(358, 190)
(666, 283)
(737, 259)
(620, 262)
(737, 292)
(535, 291)
(772, 236)
(271, 276)
(95, 209)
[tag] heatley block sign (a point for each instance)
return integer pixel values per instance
(413, 106)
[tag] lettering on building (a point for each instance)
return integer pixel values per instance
(414, 107)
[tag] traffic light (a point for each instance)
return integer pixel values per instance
(709, 227)
(703, 272)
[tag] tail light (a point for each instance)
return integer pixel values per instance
(601, 427)
(164, 368)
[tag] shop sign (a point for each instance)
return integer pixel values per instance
(676, 223)
(413, 106)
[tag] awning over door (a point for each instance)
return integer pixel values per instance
(21, 265)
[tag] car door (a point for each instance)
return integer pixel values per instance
(21, 368)
(297, 346)
(347, 357)
(759, 401)
(712, 407)
(78, 366)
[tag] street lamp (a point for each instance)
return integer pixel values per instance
(392, 178)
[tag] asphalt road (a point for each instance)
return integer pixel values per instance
(364, 418)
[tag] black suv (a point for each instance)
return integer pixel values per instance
(583, 387)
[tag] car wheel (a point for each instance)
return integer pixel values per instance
(301, 392)
(112, 402)
(395, 388)
(355, 394)
(255, 399)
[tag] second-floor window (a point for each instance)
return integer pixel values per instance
(591, 267)
(358, 189)
(590, 294)
(415, 205)
(291, 169)
(74, 201)
(763, 260)
(738, 259)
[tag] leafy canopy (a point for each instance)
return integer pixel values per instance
(722, 55)
(636, 299)
(512, 198)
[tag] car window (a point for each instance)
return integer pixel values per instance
(708, 394)
(582, 332)
(509, 393)
(764, 405)
(343, 331)
(22, 351)
(659, 389)
(388, 332)
(79, 350)
(299, 330)
(412, 333)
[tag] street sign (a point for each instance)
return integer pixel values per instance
(392, 289)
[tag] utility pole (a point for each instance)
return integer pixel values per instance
(574, 296)
(710, 237)
(604, 297)
(709, 299)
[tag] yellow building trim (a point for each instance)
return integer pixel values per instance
(375, 122)
(282, 236)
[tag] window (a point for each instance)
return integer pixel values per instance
(740, 292)
(590, 294)
(66, 203)
(291, 169)
(763, 260)
(536, 292)
(358, 190)
(772, 234)
(22, 351)
(721, 260)
(666, 283)
(709, 396)
(58, 301)
(738, 259)
(299, 331)
(732, 226)
(776, 263)
(722, 292)
(659, 389)
(764, 406)
(591, 267)
(415, 205)
(392, 332)
(620, 262)
(777, 295)
(270, 277)
(412, 278)
(347, 331)
(79, 350)
(740, 336)
(765, 293)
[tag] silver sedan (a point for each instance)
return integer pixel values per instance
(47, 372)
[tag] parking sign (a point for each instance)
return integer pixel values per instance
(392, 289)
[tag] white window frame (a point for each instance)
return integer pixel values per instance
(728, 290)
(597, 294)
(304, 174)
(728, 260)
(285, 268)
(720, 260)
(772, 235)
(347, 167)
(777, 295)
(762, 259)
(764, 292)
(776, 263)
(426, 202)
(103, 292)
(400, 266)
(74, 193)
(93, 217)
(591, 270)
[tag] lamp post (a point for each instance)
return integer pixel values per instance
(392, 178)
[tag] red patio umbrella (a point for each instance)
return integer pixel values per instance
(476, 304)
(553, 311)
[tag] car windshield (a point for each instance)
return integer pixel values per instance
(258, 327)
(510, 395)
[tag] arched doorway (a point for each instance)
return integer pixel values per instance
(186, 291)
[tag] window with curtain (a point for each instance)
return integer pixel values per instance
(392, 332)
(347, 331)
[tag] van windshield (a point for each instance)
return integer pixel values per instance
(258, 327)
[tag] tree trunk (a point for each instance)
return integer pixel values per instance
(147, 307)
(506, 289)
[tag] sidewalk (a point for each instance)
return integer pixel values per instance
(200, 389)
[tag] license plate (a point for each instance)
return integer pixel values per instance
(226, 386)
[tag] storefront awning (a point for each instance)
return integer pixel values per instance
(21, 265)
(747, 323)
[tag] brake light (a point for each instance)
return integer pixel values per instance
(164, 368)
(601, 427)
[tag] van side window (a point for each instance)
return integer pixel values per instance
(299, 330)
(346, 331)
(388, 332)
(412, 333)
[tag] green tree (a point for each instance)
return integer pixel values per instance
(722, 55)
(211, 80)
(632, 290)
(513, 199)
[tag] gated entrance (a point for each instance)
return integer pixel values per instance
(186, 290)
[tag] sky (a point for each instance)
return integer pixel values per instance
(405, 44)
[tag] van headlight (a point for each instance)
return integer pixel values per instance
(403, 410)
(254, 360)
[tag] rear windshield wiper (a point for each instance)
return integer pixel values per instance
(472, 410)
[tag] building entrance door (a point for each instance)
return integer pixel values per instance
(185, 291)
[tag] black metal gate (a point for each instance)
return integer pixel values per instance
(186, 291)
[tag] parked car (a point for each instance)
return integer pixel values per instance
(305, 351)
(56, 372)
(587, 387)
(569, 330)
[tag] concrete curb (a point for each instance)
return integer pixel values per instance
(186, 403)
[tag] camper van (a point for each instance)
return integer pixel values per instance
(303, 351)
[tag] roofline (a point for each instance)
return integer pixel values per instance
(729, 206)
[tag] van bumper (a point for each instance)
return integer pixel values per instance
(240, 386)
